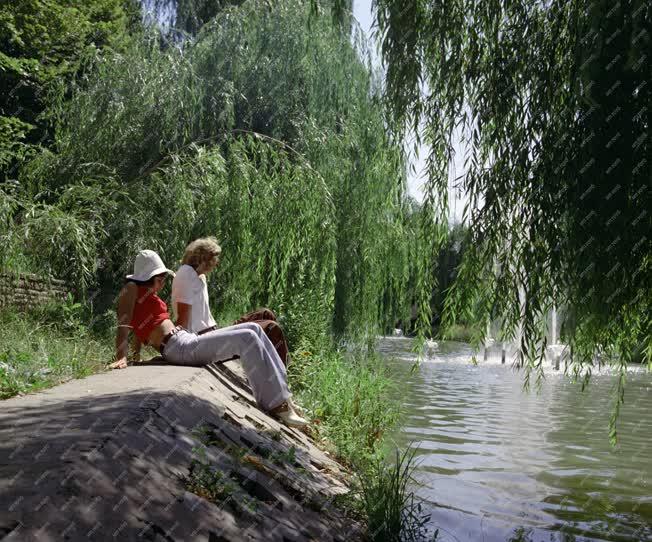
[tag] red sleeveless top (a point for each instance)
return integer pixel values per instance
(149, 311)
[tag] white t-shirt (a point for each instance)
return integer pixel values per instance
(190, 288)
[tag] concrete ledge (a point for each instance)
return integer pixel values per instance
(104, 458)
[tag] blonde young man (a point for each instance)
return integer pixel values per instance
(190, 296)
(189, 290)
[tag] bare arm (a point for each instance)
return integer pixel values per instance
(126, 302)
(183, 315)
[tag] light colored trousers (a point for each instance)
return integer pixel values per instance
(265, 370)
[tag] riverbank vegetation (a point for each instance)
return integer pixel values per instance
(47, 346)
(261, 125)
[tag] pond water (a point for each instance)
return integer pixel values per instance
(497, 463)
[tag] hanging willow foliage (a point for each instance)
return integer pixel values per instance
(554, 103)
(259, 130)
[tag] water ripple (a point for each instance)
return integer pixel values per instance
(496, 462)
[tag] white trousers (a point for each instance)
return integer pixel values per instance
(265, 370)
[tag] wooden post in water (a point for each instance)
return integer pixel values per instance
(502, 354)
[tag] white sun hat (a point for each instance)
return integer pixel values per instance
(148, 264)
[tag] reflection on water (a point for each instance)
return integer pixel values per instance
(498, 463)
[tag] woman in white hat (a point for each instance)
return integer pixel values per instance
(141, 310)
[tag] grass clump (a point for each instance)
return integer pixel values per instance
(44, 347)
(207, 481)
(390, 507)
(350, 397)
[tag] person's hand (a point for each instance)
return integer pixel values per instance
(120, 364)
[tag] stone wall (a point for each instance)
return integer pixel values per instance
(26, 291)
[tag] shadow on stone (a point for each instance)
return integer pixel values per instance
(108, 457)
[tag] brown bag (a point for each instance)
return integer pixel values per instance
(266, 319)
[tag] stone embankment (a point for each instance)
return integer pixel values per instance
(27, 291)
(159, 452)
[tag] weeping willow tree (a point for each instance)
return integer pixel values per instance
(553, 101)
(182, 18)
(265, 129)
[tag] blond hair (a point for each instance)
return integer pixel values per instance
(200, 251)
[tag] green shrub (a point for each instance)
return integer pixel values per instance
(458, 332)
